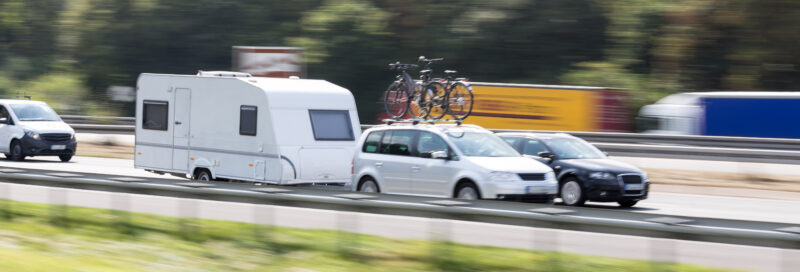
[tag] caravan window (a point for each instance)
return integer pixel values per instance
(331, 125)
(155, 115)
(247, 120)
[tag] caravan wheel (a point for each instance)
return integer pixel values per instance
(202, 175)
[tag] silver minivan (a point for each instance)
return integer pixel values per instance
(462, 161)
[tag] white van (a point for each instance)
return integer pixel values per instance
(463, 161)
(32, 128)
(233, 126)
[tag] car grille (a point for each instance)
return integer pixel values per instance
(531, 176)
(56, 137)
(631, 179)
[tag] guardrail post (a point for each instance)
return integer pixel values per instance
(664, 251)
(440, 231)
(547, 240)
(5, 195)
(59, 210)
(265, 219)
(121, 213)
(347, 224)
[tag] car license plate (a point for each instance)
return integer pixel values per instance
(58, 147)
(633, 186)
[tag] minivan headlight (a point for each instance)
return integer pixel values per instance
(32, 134)
(602, 176)
(503, 176)
(550, 177)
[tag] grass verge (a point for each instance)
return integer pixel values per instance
(36, 237)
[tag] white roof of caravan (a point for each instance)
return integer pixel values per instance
(295, 92)
(692, 98)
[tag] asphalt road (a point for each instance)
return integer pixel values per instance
(689, 205)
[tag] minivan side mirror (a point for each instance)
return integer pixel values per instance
(439, 155)
(4, 120)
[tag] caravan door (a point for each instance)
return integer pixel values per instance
(180, 134)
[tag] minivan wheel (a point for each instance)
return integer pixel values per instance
(65, 158)
(203, 175)
(572, 193)
(369, 186)
(467, 191)
(16, 151)
(627, 203)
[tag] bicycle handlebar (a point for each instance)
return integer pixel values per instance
(402, 66)
(429, 61)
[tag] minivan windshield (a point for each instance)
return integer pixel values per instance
(569, 148)
(481, 144)
(34, 112)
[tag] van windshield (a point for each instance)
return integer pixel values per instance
(34, 112)
(481, 144)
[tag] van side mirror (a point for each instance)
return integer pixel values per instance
(439, 155)
(606, 153)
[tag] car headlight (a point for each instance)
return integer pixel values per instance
(503, 176)
(644, 176)
(550, 177)
(602, 176)
(32, 134)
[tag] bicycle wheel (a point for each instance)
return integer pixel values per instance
(395, 99)
(418, 107)
(459, 100)
(435, 93)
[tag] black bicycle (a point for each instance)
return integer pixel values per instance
(450, 96)
(397, 97)
(419, 106)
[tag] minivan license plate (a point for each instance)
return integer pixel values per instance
(633, 186)
(532, 189)
(58, 147)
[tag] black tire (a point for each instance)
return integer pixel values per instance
(436, 94)
(627, 203)
(202, 175)
(467, 191)
(65, 158)
(418, 107)
(459, 101)
(15, 151)
(396, 100)
(368, 185)
(572, 193)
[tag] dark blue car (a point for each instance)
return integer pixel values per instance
(584, 172)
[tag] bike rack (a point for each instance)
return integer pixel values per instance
(416, 121)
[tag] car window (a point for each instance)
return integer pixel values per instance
(569, 148)
(512, 141)
(397, 142)
(533, 147)
(429, 143)
(372, 142)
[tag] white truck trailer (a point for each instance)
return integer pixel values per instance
(234, 126)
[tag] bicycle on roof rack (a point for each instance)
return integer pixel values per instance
(427, 97)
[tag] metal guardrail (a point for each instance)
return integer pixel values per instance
(741, 149)
(646, 225)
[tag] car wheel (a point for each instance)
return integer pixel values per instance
(627, 203)
(369, 186)
(65, 158)
(16, 151)
(203, 175)
(467, 191)
(572, 193)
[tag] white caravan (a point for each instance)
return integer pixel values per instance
(233, 126)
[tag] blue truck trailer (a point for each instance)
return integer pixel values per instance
(741, 114)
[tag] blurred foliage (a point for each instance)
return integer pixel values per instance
(650, 47)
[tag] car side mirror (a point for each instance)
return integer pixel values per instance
(439, 155)
(547, 156)
(4, 120)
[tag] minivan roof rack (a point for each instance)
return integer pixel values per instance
(416, 121)
(24, 95)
